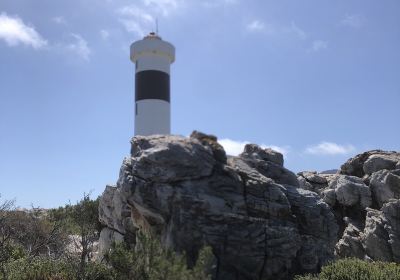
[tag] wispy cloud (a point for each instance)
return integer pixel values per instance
(218, 3)
(136, 12)
(318, 45)
(136, 20)
(258, 26)
(164, 7)
(59, 20)
(234, 148)
(330, 148)
(15, 32)
(255, 25)
(354, 21)
(79, 46)
(105, 34)
(300, 33)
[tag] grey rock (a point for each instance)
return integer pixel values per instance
(164, 158)
(351, 243)
(256, 152)
(212, 142)
(249, 208)
(304, 184)
(313, 177)
(311, 180)
(385, 185)
(355, 165)
(267, 168)
(351, 191)
(262, 221)
(376, 237)
(329, 196)
(107, 238)
(379, 162)
(111, 207)
(391, 214)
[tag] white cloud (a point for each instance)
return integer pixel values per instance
(329, 148)
(355, 21)
(165, 7)
(258, 26)
(79, 46)
(59, 20)
(134, 27)
(218, 3)
(14, 32)
(300, 33)
(234, 148)
(104, 34)
(255, 25)
(283, 150)
(318, 45)
(136, 20)
(136, 12)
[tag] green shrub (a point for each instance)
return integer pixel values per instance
(355, 269)
(150, 261)
(40, 268)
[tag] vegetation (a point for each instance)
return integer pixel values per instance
(151, 261)
(355, 269)
(36, 245)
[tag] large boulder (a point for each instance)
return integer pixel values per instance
(249, 209)
(351, 243)
(378, 162)
(261, 220)
(312, 181)
(382, 232)
(351, 191)
(385, 185)
(369, 162)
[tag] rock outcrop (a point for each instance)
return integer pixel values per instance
(365, 199)
(262, 220)
(249, 209)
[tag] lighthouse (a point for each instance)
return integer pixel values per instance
(153, 58)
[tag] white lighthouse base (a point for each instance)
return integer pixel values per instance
(152, 117)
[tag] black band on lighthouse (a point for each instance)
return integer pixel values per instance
(152, 84)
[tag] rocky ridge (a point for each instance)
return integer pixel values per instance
(262, 220)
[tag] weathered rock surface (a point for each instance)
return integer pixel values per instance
(385, 185)
(262, 220)
(250, 208)
(369, 162)
(365, 202)
(351, 191)
(311, 180)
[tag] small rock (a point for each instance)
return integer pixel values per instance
(255, 151)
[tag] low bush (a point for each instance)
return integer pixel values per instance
(150, 261)
(355, 269)
(41, 268)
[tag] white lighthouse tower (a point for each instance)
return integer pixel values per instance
(152, 57)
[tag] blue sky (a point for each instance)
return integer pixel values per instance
(317, 79)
